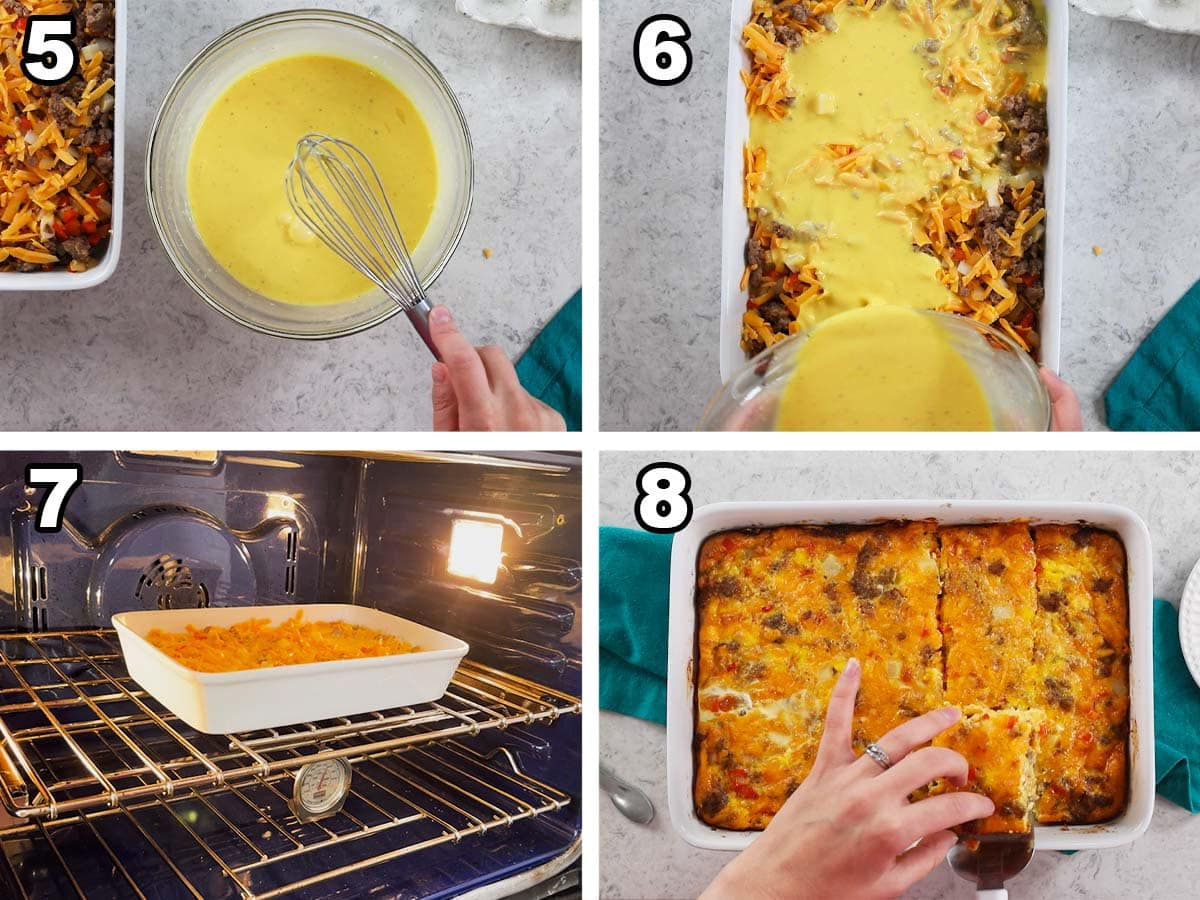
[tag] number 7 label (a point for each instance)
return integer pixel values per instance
(61, 479)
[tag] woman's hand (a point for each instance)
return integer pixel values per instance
(1064, 405)
(478, 389)
(849, 830)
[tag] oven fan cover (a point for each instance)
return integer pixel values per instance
(168, 558)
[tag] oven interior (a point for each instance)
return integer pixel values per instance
(108, 795)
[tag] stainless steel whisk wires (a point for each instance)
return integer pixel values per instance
(336, 191)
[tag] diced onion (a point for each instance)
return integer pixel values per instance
(894, 668)
(830, 565)
(1000, 613)
(100, 45)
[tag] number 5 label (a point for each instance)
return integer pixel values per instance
(48, 55)
(61, 479)
(660, 50)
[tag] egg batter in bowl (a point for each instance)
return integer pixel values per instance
(227, 132)
(244, 147)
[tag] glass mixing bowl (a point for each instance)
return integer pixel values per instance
(1007, 374)
(216, 69)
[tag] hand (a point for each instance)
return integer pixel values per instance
(849, 829)
(1064, 406)
(476, 389)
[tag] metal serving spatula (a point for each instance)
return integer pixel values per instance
(989, 860)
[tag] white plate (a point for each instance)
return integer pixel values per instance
(228, 702)
(724, 516)
(735, 229)
(1165, 15)
(1189, 623)
(60, 279)
(560, 19)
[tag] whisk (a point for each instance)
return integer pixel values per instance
(336, 191)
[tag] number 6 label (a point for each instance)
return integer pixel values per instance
(663, 505)
(660, 50)
(48, 55)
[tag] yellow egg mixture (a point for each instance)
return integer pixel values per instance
(885, 368)
(247, 141)
(873, 144)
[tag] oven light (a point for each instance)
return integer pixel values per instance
(475, 550)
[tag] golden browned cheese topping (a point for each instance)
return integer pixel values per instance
(257, 644)
(1035, 632)
(1001, 759)
(988, 605)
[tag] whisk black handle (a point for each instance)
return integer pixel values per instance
(419, 316)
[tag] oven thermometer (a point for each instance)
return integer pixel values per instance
(321, 789)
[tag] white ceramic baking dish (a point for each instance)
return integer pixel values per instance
(735, 229)
(227, 702)
(724, 516)
(62, 280)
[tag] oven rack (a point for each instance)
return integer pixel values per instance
(77, 734)
(244, 842)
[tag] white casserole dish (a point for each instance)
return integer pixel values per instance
(735, 228)
(62, 280)
(724, 516)
(227, 702)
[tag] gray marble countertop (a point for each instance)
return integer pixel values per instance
(1133, 114)
(654, 862)
(144, 353)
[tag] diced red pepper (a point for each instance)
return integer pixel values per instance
(982, 116)
(739, 773)
(958, 254)
(90, 226)
(22, 22)
(26, 123)
(768, 607)
(1086, 737)
(727, 543)
(1012, 722)
(99, 190)
(745, 792)
(957, 153)
(70, 214)
(60, 232)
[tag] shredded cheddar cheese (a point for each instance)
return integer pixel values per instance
(256, 644)
(55, 150)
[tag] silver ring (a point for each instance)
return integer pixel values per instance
(878, 754)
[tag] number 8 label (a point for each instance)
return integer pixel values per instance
(663, 505)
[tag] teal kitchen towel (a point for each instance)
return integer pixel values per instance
(1159, 388)
(552, 367)
(1176, 714)
(635, 572)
